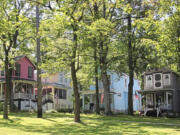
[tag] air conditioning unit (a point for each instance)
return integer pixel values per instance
(158, 81)
(166, 79)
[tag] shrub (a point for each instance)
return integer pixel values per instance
(1, 106)
(65, 110)
(51, 111)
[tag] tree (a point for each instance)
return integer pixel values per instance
(38, 54)
(169, 37)
(70, 15)
(133, 35)
(13, 26)
(101, 31)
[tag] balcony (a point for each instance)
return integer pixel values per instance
(21, 96)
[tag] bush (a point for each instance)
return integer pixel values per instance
(64, 110)
(1, 106)
(51, 111)
(102, 111)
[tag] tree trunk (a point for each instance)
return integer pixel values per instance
(106, 87)
(39, 85)
(76, 93)
(96, 16)
(96, 81)
(131, 70)
(74, 78)
(7, 86)
(105, 79)
(11, 94)
(178, 51)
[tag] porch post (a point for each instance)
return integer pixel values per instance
(14, 87)
(154, 96)
(33, 89)
(1, 88)
(14, 96)
(166, 99)
(26, 89)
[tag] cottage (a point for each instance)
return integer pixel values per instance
(118, 94)
(22, 83)
(57, 93)
(161, 92)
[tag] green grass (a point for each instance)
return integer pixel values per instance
(60, 124)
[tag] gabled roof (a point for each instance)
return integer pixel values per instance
(24, 56)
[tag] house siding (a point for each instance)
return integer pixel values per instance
(25, 63)
(24, 68)
(120, 85)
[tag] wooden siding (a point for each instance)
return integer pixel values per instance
(25, 63)
(53, 78)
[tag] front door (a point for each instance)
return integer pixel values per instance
(161, 100)
(149, 101)
(169, 99)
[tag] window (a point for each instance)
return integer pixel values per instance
(55, 93)
(60, 93)
(64, 94)
(169, 99)
(158, 80)
(149, 83)
(18, 69)
(30, 72)
(166, 79)
(61, 77)
(65, 80)
(2, 73)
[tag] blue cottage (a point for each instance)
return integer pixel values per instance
(118, 94)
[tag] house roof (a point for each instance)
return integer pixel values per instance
(57, 85)
(154, 90)
(24, 56)
(160, 70)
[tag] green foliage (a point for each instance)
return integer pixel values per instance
(1, 106)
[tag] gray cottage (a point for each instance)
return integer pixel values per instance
(161, 94)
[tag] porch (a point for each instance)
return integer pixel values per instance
(23, 90)
(89, 100)
(159, 101)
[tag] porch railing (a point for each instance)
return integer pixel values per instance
(24, 96)
(21, 96)
(47, 97)
(162, 107)
(1, 97)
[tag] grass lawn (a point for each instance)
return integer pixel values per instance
(60, 124)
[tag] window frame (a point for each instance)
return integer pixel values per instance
(165, 80)
(18, 74)
(30, 76)
(2, 73)
(149, 83)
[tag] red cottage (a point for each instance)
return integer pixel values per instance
(22, 83)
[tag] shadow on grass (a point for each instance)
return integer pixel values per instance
(57, 124)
